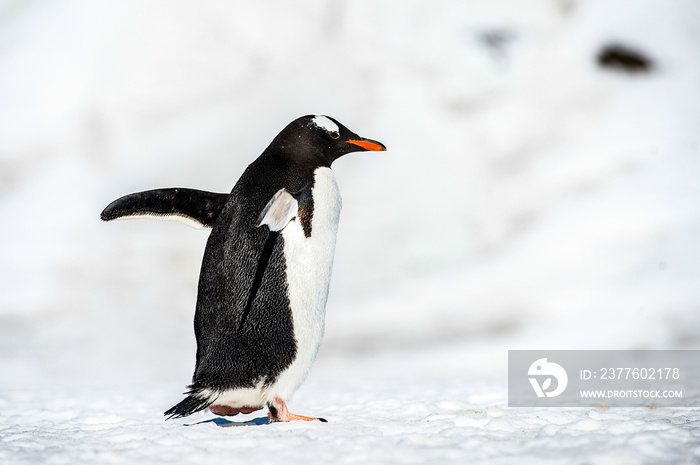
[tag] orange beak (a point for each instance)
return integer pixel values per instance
(368, 144)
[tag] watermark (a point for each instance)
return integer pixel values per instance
(610, 378)
(542, 368)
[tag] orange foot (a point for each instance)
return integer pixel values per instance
(279, 412)
(226, 411)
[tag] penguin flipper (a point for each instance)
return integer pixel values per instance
(279, 211)
(199, 209)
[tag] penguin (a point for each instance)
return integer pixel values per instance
(263, 284)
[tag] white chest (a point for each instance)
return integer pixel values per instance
(309, 264)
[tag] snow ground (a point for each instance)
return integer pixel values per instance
(533, 200)
(376, 421)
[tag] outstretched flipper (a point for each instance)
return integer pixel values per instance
(198, 209)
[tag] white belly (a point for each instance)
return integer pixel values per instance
(309, 265)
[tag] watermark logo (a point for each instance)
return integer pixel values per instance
(541, 368)
(603, 378)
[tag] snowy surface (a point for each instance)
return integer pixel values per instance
(528, 199)
(379, 421)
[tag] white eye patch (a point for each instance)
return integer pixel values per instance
(325, 123)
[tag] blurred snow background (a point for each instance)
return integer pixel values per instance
(530, 197)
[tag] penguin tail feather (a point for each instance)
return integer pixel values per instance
(196, 401)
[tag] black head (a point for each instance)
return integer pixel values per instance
(320, 138)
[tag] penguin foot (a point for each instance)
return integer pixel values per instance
(226, 411)
(278, 412)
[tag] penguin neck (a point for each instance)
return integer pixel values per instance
(300, 155)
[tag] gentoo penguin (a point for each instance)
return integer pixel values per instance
(267, 265)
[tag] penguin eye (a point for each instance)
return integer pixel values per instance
(335, 135)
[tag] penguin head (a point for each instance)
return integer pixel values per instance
(322, 139)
